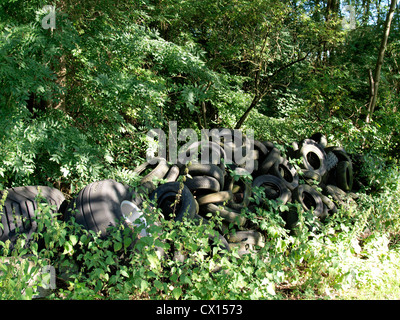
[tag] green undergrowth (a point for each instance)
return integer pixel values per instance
(355, 250)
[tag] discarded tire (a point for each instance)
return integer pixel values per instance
(309, 199)
(172, 174)
(175, 201)
(337, 194)
(313, 155)
(217, 197)
(240, 197)
(18, 214)
(209, 188)
(344, 175)
(211, 170)
(331, 161)
(262, 150)
(329, 204)
(274, 188)
(311, 177)
(159, 170)
(247, 236)
(209, 152)
(273, 156)
(339, 152)
(286, 172)
(227, 214)
(320, 139)
(98, 205)
(203, 183)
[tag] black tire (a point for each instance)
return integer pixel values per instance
(274, 188)
(292, 150)
(309, 198)
(241, 198)
(313, 156)
(273, 156)
(331, 161)
(203, 183)
(255, 167)
(262, 150)
(344, 175)
(227, 214)
(269, 145)
(337, 194)
(172, 174)
(211, 170)
(286, 172)
(98, 205)
(330, 205)
(215, 153)
(217, 197)
(18, 213)
(247, 236)
(320, 138)
(159, 171)
(226, 138)
(244, 160)
(166, 194)
(339, 152)
(310, 176)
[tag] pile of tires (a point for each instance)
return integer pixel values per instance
(321, 183)
(316, 176)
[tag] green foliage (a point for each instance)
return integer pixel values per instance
(76, 102)
(184, 260)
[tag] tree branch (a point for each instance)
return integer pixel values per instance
(289, 65)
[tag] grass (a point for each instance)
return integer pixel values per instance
(385, 284)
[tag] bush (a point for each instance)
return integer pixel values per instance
(177, 260)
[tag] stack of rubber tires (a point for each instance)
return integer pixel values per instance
(207, 189)
(323, 183)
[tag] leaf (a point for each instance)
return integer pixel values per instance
(177, 292)
(154, 261)
(283, 208)
(174, 277)
(124, 273)
(29, 293)
(271, 289)
(74, 239)
(68, 248)
(110, 260)
(117, 246)
(158, 284)
(127, 242)
(143, 285)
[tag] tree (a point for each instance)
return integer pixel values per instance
(374, 79)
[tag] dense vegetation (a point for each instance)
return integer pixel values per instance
(77, 101)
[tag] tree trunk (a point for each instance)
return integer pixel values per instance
(267, 88)
(243, 118)
(374, 81)
(366, 11)
(62, 82)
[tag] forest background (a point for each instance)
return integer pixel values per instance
(77, 100)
